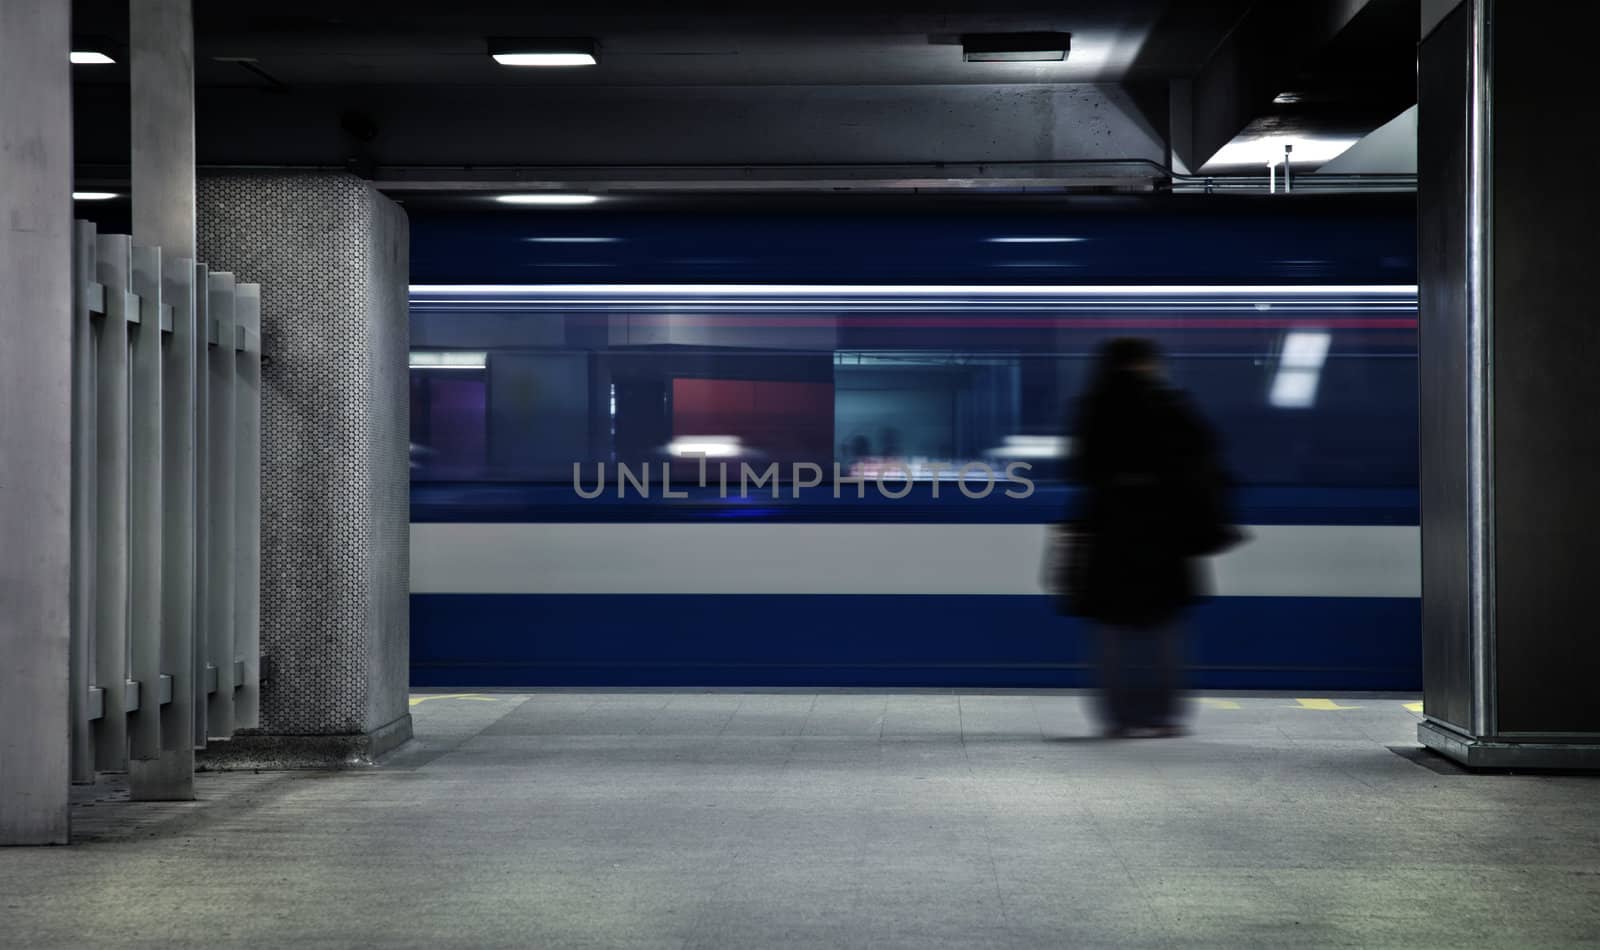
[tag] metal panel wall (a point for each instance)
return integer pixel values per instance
(1509, 513)
(144, 500)
(198, 643)
(179, 501)
(1442, 226)
(1545, 387)
(140, 653)
(85, 310)
(247, 508)
(219, 514)
(109, 646)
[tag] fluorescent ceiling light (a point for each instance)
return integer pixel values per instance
(93, 195)
(1036, 240)
(547, 198)
(574, 240)
(546, 51)
(1015, 47)
(545, 59)
(86, 57)
(449, 359)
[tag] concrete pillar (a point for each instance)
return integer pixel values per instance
(1509, 345)
(35, 426)
(161, 113)
(332, 256)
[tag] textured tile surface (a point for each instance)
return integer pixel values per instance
(836, 820)
(332, 257)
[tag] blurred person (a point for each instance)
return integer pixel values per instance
(890, 437)
(857, 448)
(1155, 499)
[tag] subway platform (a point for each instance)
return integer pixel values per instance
(694, 819)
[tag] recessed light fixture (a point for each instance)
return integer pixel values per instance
(1015, 47)
(573, 240)
(547, 198)
(89, 57)
(93, 195)
(544, 51)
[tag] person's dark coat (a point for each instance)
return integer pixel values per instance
(1154, 498)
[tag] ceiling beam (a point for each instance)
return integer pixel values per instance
(1256, 62)
(367, 128)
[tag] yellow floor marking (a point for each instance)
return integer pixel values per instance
(416, 700)
(1414, 707)
(1218, 703)
(1321, 704)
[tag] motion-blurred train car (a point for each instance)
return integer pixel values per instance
(878, 357)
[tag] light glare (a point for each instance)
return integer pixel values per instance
(1033, 447)
(710, 446)
(1304, 350)
(449, 359)
(88, 58)
(547, 199)
(1036, 240)
(1268, 150)
(93, 195)
(892, 290)
(1294, 388)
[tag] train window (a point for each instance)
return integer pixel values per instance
(1308, 386)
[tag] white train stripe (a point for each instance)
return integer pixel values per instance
(1279, 561)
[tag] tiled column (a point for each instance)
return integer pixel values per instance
(332, 256)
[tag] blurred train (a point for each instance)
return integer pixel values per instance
(746, 445)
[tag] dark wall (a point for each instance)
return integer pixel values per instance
(1545, 385)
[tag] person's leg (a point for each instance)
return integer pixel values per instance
(1113, 679)
(1168, 676)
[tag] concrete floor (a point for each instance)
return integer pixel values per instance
(837, 820)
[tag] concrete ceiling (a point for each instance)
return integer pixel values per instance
(698, 44)
(403, 89)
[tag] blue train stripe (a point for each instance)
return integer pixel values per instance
(522, 640)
